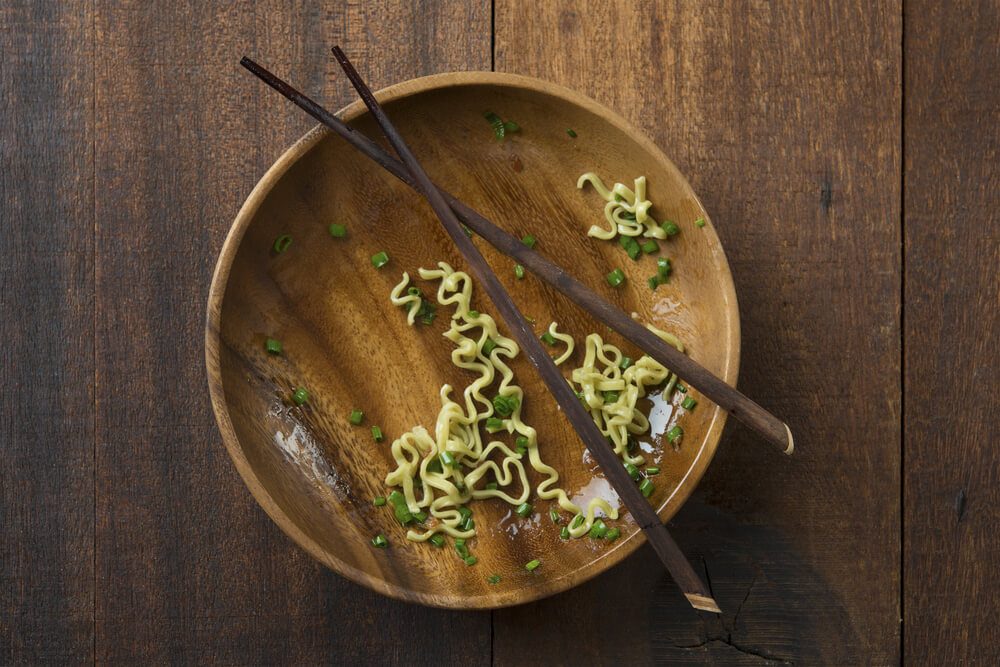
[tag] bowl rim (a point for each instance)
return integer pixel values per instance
(609, 558)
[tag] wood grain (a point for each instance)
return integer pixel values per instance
(188, 569)
(952, 317)
(786, 118)
(47, 355)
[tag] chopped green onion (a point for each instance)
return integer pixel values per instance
(521, 444)
(498, 127)
(273, 346)
(700, 222)
(632, 471)
(505, 405)
(357, 417)
(653, 471)
(519, 272)
(548, 338)
(437, 539)
(650, 246)
(675, 433)
(554, 515)
(570, 132)
(447, 459)
(611, 396)
(468, 232)
(377, 433)
(465, 513)
(529, 240)
(300, 396)
(653, 282)
(379, 501)
(670, 228)
(434, 465)
(523, 510)
(612, 535)
(493, 579)
(427, 311)
(380, 259)
(488, 346)
(688, 403)
(625, 362)
(491, 486)
(627, 215)
(420, 516)
(399, 507)
(681, 388)
(337, 231)
(630, 245)
(616, 278)
(281, 243)
(564, 533)
(473, 314)
(663, 267)
(460, 541)
(598, 530)
(577, 521)
(379, 541)
(532, 565)
(468, 524)
(494, 424)
(471, 560)
(647, 487)
(461, 549)
(413, 291)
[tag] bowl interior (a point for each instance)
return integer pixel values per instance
(313, 471)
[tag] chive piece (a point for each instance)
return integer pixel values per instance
(688, 403)
(632, 471)
(462, 550)
(548, 338)
(400, 508)
(653, 471)
(413, 291)
(570, 132)
(524, 510)
(700, 222)
(616, 278)
(625, 362)
(281, 243)
(647, 487)
(511, 126)
(675, 433)
(653, 282)
(493, 579)
(434, 465)
(464, 512)
(611, 396)
(273, 346)
(529, 240)
(377, 434)
(627, 215)
(554, 515)
(437, 539)
(494, 424)
(357, 417)
(577, 521)
(613, 535)
(670, 228)
(468, 232)
(650, 246)
(420, 516)
(380, 259)
(379, 501)
(459, 541)
(473, 314)
(498, 127)
(337, 231)
(663, 267)
(427, 311)
(468, 524)
(379, 541)
(505, 405)
(300, 396)
(630, 245)
(598, 530)
(519, 272)
(447, 459)
(471, 560)
(521, 444)
(564, 533)
(488, 346)
(491, 486)
(681, 388)
(532, 565)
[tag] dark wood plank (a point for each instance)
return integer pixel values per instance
(47, 356)
(952, 324)
(188, 568)
(785, 117)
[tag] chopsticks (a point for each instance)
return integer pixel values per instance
(668, 551)
(715, 389)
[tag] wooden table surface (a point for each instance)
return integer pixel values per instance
(848, 151)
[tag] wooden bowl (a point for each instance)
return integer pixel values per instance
(312, 471)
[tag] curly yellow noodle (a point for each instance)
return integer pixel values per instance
(621, 201)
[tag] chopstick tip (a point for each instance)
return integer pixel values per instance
(703, 602)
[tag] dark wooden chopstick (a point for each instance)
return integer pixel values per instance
(729, 398)
(675, 561)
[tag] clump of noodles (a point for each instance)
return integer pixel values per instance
(444, 471)
(627, 211)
